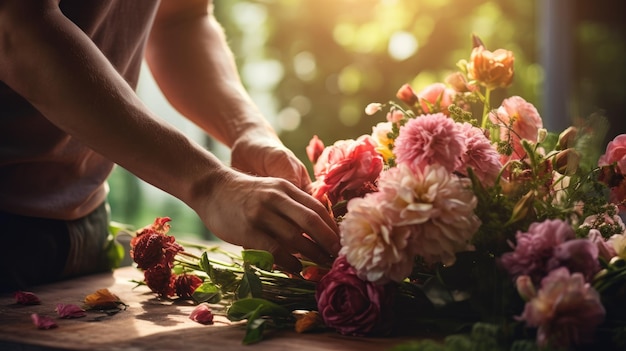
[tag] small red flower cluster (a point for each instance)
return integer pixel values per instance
(154, 252)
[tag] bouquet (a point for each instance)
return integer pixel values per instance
(460, 217)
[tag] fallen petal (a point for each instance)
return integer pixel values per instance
(70, 311)
(43, 322)
(26, 298)
(202, 314)
(102, 298)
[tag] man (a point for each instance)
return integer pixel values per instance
(68, 111)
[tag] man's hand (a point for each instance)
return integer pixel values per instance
(270, 214)
(268, 157)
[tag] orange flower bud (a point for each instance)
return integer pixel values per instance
(491, 69)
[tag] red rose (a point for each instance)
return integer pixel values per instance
(353, 306)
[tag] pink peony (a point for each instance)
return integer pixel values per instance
(353, 306)
(480, 156)
(517, 120)
(437, 96)
(535, 247)
(566, 310)
(615, 153)
(430, 139)
(378, 251)
(437, 205)
(345, 169)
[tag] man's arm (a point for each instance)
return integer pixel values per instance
(49, 61)
(194, 67)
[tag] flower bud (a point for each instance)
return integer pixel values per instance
(525, 287)
(567, 138)
(407, 95)
(567, 161)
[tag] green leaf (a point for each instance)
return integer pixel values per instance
(207, 292)
(115, 252)
(254, 329)
(205, 265)
(259, 258)
(250, 286)
(244, 308)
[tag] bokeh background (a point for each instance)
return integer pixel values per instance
(313, 65)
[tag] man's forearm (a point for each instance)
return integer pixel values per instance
(194, 67)
(78, 90)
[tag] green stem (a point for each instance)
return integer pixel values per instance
(486, 108)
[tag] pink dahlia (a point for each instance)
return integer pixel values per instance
(430, 139)
(378, 250)
(566, 310)
(480, 156)
(437, 205)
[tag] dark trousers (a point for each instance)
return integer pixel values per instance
(36, 251)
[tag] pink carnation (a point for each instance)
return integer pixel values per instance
(518, 120)
(566, 310)
(480, 156)
(430, 139)
(345, 169)
(535, 247)
(437, 205)
(378, 250)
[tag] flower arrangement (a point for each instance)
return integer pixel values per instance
(458, 217)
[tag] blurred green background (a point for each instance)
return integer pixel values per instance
(313, 65)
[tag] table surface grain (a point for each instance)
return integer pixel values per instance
(148, 323)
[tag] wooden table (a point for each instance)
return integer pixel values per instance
(149, 323)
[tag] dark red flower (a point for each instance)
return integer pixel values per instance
(160, 280)
(151, 248)
(186, 284)
(26, 298)
(353, 306)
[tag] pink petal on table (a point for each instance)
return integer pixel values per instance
(202, 314)
(43, 322)
(70, 311)
(26, 298)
